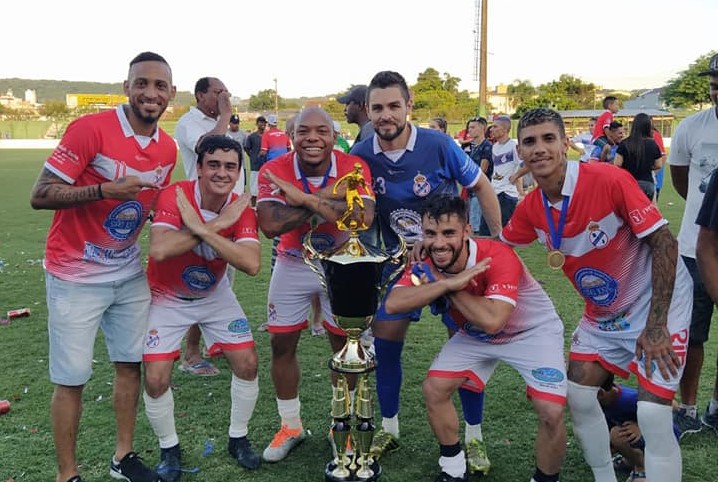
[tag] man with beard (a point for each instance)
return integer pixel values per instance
(200, 227)
(498, 312)
(410, 165)
(615, 247)
(102, 182)
(295, 195)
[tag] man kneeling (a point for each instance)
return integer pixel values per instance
(498, 313)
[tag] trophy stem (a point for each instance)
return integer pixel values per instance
(341, 428)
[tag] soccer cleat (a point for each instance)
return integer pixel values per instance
(170, 468)
(685, 423)
(383, 443)
(710, 420)
(241, 450)
(476, 459)
(132, 469)
(444, 477)
(283, 443)
(75, 478)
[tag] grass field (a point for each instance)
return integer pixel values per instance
(202, 405)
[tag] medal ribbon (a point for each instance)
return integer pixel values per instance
(556, 234)
(305, 182)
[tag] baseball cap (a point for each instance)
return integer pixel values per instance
(356, 94)
(272, 120)
(337, 126)
(261, 118)
(712, 66)
(234, 119)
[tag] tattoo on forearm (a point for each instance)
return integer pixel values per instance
(664, 249)
(56, 191)
(289, 217)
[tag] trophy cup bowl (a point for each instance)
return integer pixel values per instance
(352, 275)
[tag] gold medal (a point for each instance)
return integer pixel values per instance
(415, 280)
(555, 259)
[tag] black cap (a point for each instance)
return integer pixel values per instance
(234, 119)
(712, 66)
(356, 94)
(261, 118)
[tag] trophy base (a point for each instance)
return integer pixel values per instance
(328, 477)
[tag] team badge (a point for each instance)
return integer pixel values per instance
(596, 235)
(271, 313)
(124, 220)
(547, 374)
(422, 188)
(238, 326)
(159, 174)
(406, 223)
(153, 339)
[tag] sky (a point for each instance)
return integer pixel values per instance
(323, 47)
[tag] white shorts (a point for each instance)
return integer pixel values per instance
(77, 310)
(254, 182)
(616, 350)
(221, 319)
(537, 357)
(291, 288)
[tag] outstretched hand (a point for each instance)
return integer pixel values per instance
(231, 213)
(293, 195)
(190, 218)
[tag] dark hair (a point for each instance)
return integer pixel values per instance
(441, 122)
(148, 57)
(634, 143)
(609, 100)
(445, 204)
(209, 144)
(614, 125)
(479, 119)
(202, 85)
(541, 115)
(388, 78)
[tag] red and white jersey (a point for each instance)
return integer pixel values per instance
(608, 215)
(198, 272)
(603, 121)
(326, 235)
(97, 242)
(506, 279)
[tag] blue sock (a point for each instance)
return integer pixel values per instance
(388, 375)
(473, 405)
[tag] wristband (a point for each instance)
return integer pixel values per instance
(99, 190)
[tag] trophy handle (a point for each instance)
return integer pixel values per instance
(399, 259)
(310, 254)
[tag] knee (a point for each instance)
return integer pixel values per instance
(245, 366)
(433, 393)
(283, 346)
(550, 416)
(156, 383)
(582, 398)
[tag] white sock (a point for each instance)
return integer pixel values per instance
(663, 456)
(713, 407)
(691, 410)
(244, 398)
(289, 413)
(160, 412)
(391, 425)
(454, 466)
(473, 432)
(591, 429)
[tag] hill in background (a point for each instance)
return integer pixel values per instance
(55, 90)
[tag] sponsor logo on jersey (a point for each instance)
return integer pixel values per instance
(547, 374)
(124, 220)
(596, 286)
(153, 339)
(238, 326)
(406, 223)
(422, 188)
(198, 278)
(619, 323)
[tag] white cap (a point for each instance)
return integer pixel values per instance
(272, 120)
(337, 126)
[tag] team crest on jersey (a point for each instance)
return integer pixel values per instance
(153, 339)
(198, 278)
(596, 235)
(596, 286)
(158, 175)
(239, 326)
(407, 223)
(422, 188)
(124, 220)
(271, 313)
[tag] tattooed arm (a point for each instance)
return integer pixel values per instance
(654, 343)
(52, 192)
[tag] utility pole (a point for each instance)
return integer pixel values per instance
(482, 19)
(276, 99)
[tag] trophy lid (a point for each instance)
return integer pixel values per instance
(354, 251)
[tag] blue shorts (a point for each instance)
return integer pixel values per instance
(381, 314)
(77, 310)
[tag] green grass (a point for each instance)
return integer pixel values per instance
(202, 405)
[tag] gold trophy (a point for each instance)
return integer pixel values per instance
(352, 276)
